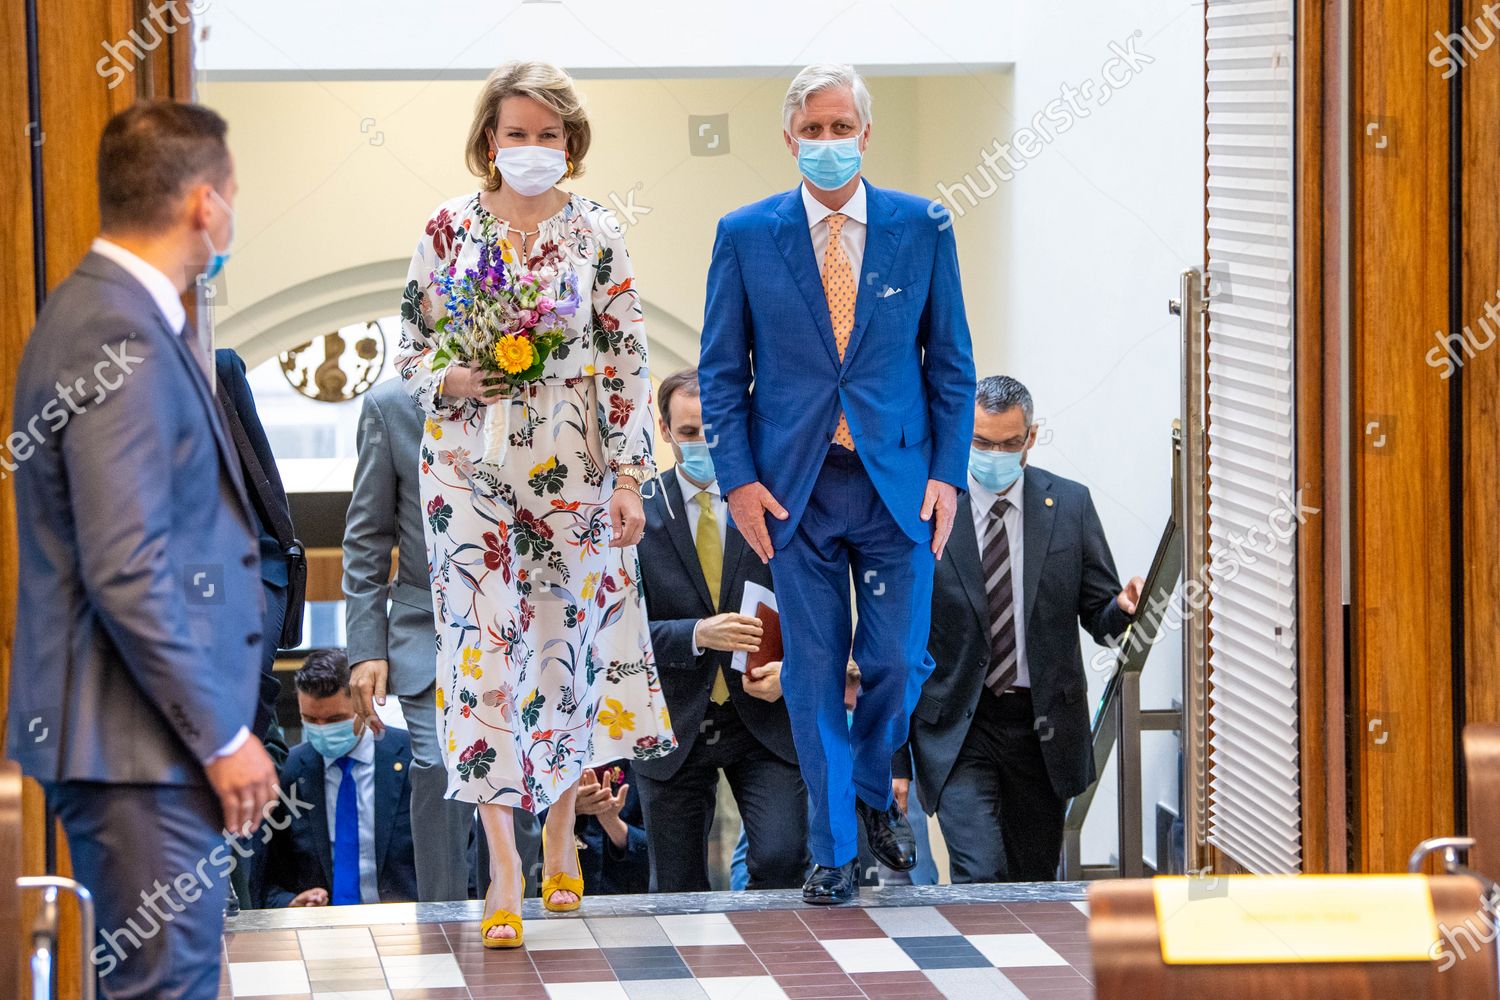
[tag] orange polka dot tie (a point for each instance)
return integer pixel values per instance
(839, 288)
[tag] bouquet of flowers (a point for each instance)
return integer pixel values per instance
(504, 317)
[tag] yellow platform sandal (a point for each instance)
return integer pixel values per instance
(501, 918)
(563, 882)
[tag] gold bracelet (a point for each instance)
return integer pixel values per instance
(633, 487)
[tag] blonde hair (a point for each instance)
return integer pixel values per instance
(543, 83)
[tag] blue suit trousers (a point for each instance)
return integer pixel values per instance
(847, 527)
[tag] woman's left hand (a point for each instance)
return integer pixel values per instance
(627, 518)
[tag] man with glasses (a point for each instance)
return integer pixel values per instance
(1000, 735)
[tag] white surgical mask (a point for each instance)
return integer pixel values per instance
(531, 170)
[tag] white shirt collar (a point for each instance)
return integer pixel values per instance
(690, 490)
(158, 285)
(364, 750)
(854, 208)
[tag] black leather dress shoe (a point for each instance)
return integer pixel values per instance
(826, 886)
(889, 836)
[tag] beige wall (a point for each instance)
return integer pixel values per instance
(337, 178)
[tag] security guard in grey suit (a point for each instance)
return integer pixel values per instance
(138, 631)
(1000, 735)
(391, 642)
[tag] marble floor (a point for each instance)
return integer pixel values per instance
(985, 943)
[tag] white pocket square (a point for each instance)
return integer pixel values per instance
(888, 291)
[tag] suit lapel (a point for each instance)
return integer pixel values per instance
(882, 240)
(387, 800)
(314, 792)
(682, 537)
(1038, 507)
(963, 549)
(795, 241)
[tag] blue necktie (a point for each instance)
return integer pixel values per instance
(346, 838)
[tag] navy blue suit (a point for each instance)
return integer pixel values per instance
(300, 855)
(773, 387)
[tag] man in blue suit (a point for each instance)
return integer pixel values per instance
(838, 386)
(354, 843)
(138, 633)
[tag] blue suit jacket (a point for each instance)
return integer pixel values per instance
(300, 856)
(138, 633)
(772, 382)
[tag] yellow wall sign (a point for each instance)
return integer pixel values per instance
(1242, 919)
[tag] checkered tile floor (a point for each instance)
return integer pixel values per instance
(984, 951)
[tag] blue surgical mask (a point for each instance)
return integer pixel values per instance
(697, 461)
(218, 258)
(995, 470)
(828, 164)
(332, 739)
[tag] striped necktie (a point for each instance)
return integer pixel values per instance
(1004, 665)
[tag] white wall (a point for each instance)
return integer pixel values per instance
(1105, 217)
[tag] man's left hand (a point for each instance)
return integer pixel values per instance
(941, 501)
(1130, 597)
(764, 681)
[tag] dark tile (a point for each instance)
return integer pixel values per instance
(896, 986)
(948, 951)
(648, 962)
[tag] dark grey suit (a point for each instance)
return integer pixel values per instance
(1012, 762)
(385, 511)
(750, 740)
(138, 644)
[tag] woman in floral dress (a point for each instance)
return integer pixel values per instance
(544, 660)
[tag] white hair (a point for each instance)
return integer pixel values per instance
(819, 77)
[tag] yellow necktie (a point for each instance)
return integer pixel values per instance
(711, 558)
(839, 288)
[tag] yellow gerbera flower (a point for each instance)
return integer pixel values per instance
(616, 718)
(514, 354)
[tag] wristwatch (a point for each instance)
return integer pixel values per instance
(635, 473)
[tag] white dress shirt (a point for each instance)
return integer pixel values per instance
(981, 499)
(169, 302)
(692, 511)
(852, 233)
(363, 773)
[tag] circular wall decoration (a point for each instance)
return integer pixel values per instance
(336, 367)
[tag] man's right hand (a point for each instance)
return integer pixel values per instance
(367, 683)
(245, 782)
(748, 505)
(734, 633)
(310, 897)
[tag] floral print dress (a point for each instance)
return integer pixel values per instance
(544, 661)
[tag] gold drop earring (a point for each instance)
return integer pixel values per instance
(492, 164)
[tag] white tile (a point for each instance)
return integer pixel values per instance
(553, 935)
(353, 995)
(415, 972)
(742, 988)
(869, 955)
(1015, 950)
(336, 942)
(586, 991)
(691, 929)
(261, 979)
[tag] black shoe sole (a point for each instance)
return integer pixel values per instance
(829, 900)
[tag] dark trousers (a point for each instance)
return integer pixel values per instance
(680, 811)
(847, 527)
(156, 861)
(999, 784)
